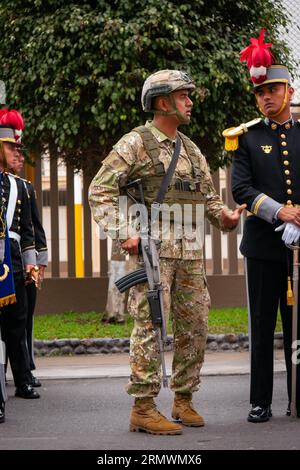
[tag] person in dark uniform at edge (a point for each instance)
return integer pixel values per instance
(265, 176)
(3, 394)
(3, 299)
(15, 166)
(15, 199)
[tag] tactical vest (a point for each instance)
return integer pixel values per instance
(180, 191)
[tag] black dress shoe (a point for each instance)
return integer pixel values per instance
(259, 414)
(288, 411)
(35, 382)
(2, 413)
(26, 391)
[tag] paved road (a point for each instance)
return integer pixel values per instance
(88, 366)
(94, 413)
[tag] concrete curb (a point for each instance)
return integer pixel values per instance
(75, 346)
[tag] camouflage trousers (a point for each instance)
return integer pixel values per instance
(187, 297)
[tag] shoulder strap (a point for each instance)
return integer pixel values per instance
(169, 174)
(151, 147)
(12, 201)
(190, 150)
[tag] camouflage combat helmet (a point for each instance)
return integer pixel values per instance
(164, 82)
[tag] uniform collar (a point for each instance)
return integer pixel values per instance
(158, 134)
(276, 125)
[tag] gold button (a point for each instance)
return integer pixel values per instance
(284, 144)
(19, 202)
(273, 126)
(286, 162)
(285, 152)
(19, 210)
(18, 218)
(19, 228)
(283, 136)
(287, 126)
(286, 172)
(289, 191)
(288, 182)
(289, 202)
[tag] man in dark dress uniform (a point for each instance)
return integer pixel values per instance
(7, 293)
(18, 221)
(265, 176)
(16, 166)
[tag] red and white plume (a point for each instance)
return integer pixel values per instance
(258, 58)
(12, 118)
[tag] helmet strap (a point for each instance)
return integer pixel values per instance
(179, 115)
(175, 111)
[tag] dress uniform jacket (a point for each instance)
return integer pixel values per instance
(21, 235)
(265, 176)
(21, 232)
(39, 232)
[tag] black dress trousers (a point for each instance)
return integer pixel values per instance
(267, 290)
(13, 320)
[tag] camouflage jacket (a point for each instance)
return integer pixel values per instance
(128, 161)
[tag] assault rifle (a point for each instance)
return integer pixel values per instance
(150, 273)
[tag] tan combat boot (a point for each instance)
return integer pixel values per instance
(184, 411)
(145, 417)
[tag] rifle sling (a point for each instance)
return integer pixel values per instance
(169, 173)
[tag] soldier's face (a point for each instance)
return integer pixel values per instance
(20, 163)
(11, 153)
(270, 98)
(183, 104)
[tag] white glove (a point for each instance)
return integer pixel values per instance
(291, 233)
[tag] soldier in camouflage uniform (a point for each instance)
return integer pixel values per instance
(166, 94)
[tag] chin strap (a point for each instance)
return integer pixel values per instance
(175, 111)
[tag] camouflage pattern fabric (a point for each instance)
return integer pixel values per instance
(182, 270)
(186, 295)
(128, 161)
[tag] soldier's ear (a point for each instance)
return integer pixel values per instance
(162, 103)
(291, 92)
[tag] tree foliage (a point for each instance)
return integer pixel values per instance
(76, 68)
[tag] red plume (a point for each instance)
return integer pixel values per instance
(258, 57)
(257, 53)
(12, 119)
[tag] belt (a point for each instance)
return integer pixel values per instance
(15, 236)
(181, 185)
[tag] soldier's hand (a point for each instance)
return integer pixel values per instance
(131, 245)
(291, 233)
(42, 271)
(231, 219)
(289, 214)
(28, 279)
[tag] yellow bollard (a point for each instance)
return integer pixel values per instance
(79, 267)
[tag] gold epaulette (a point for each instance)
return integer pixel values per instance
(18, 177)
(232, 134)
(11, 174)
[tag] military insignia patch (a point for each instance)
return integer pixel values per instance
(266, 148)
